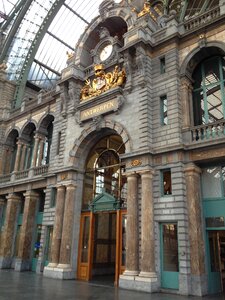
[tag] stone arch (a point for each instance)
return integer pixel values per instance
(45, 121)
(125, 13)
(91, 135)
(198, 54)
(10, 134)
(27, 128)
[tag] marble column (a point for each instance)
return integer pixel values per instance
(67, 230)
(18, 156)
(186, 101)
(147, 226)
(23, 156)
(58, 225)
(27, 229)
(41, 151)
(197, 251)
(35, 152)
(132, 252)
(7, 241)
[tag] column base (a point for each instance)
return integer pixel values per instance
(61, 271)
(5, 262)
(199, 285)
(146, 282)
(22, 265)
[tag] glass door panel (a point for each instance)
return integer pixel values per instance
(214, 265)
(169, 256)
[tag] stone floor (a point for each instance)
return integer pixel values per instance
(27, 285)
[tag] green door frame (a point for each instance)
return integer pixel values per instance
(169, 279)
(34, 260)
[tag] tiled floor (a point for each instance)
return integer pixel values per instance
(30, 286)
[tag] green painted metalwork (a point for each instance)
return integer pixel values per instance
(104, 202)
(14, 28)
(33, 50)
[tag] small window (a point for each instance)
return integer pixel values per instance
(163, 107)
(162, 65)
(58, 142)
(167, 183)
(53, 197)
(2, 215)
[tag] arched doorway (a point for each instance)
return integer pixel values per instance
(103, 217)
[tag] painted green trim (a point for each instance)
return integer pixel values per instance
(104, 202)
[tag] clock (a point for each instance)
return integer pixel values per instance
(105, 52)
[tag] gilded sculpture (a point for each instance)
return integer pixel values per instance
(102, 82)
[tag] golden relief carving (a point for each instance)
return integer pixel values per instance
(136, 162)
(103, 82)
(146, 10)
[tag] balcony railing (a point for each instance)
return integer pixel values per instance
(202, 19)
(208, 131)
(24, 174)
(21, 174)
(40, 170)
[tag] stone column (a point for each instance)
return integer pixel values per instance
(67, 230)
(35, 152)
(147, 226)
(23, 156)
(186, 101)
(41, 151)
(132, 252)
(197, 251)
(7, 241)
(58, 225)
(27, 230)
(18, 155)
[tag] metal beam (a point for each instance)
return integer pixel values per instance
(73, 11)
(183, 11)
(47, 67)
(61, 41)
(204, 6)
(21, 83)
(12, 15)
(14, 29)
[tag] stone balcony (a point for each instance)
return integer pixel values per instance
(25, 174)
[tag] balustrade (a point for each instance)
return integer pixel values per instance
(208, 131)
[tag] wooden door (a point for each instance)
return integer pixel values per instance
(120, 244)
(85, 246)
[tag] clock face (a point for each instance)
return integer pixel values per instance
(106, 52)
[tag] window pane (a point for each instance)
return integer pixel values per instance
(211, 182)
(85, 240)
(214, 103)
(164, 117)
(167, 185)
(170, 248)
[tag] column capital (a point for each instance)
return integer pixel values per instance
(147, 173)
(31, 193)
(70, 186)
(13, 197)
(192, 168)
(131, 174)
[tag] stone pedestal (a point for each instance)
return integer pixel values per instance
(197, 250)
(23, 262)
(7, 241)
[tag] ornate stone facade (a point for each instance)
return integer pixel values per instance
(139, 115)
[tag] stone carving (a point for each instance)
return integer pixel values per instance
(102, 82)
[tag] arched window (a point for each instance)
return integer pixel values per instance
(103, 170)
(208, 91)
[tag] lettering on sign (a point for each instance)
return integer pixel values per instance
(98, 110)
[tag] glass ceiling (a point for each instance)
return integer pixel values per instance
(60, 38)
